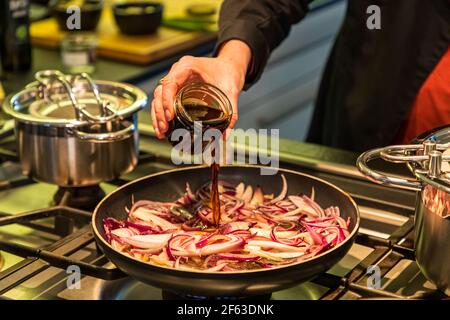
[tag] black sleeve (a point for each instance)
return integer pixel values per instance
(261, 24)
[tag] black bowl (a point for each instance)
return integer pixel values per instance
(138, 18)
(90, 11)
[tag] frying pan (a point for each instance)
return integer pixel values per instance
(170, 185)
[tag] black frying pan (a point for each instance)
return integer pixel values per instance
(169, 185)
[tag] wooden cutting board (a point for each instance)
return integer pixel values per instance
(135, 49)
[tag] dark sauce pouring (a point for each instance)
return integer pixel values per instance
(207, 115)
(211, 115)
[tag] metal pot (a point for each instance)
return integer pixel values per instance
(428, 160)
(74, 132)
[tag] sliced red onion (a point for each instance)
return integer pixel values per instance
(283, 192)
(258, 197)
(241, 233)
(123, 232)
(274, 245)
(111, 224)
(203, 241)
(237, 225)
(154, 205)
(313, 194)
(146, 215)
(148, 241)
(290, 242)
(240, 190)
(234, 244)
(205, 214)
(318, 210)
(282, 230)
(247, 195)
(316, 237)
(237, 206)
(142, 228)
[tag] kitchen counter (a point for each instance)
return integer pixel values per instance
(105, 68)
(113, 70)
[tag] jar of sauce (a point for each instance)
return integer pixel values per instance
(203, 103)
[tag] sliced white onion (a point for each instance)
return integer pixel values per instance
(146, 215)
(123, 232)
(283, 192)
(148, 241)
(275, 245)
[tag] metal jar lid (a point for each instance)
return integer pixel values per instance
(73, 100)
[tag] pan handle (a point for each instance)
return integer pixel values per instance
(62, 262)
(380, 178)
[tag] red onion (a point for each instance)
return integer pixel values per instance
(150, 241)
(142, 228)
(283, 192)
(235, 243)
(256, 231)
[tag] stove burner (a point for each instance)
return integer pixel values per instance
(85, 198)
(169, 295)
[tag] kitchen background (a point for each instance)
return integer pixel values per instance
(283, 98)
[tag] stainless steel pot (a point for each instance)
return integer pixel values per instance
(72, 131)
(428, 161)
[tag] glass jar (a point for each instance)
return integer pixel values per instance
(78, 52)
(203, 104)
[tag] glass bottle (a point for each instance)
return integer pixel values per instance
(201, 103)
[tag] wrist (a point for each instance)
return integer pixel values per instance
(239, 55)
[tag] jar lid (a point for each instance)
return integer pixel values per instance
(60, 99)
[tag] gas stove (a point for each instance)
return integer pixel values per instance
(44, 230)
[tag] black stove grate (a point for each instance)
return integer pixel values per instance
(66, 220)
(386, 254)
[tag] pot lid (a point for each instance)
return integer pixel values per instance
(440, 136)
(60, 99)
(428, 157)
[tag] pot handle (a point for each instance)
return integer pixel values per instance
(380, 178)
(106, 136)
